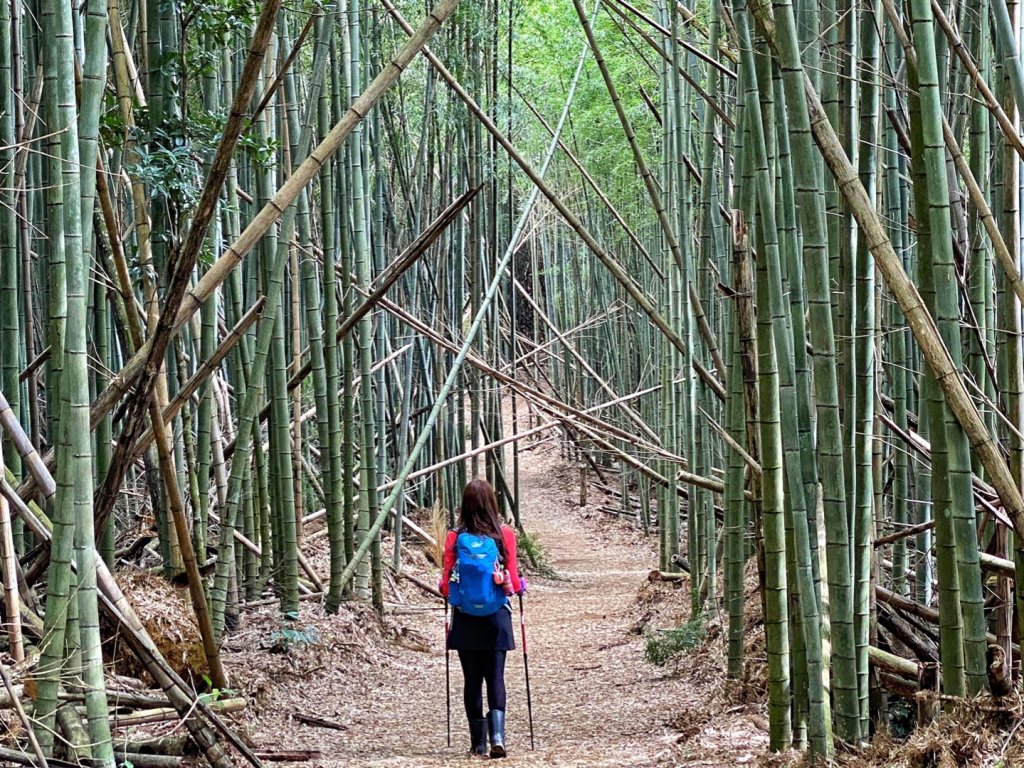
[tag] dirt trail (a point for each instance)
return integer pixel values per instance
(596, 702)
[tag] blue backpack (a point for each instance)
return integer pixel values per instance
(472, 589)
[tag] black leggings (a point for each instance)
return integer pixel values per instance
(478, 666)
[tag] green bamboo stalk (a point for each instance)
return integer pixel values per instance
(334, 482)
(948, 320)
(368, 503)
(11, 339)
(862, 375)
(683, 422)
(205, 416)
(93, 77)
(1006, 200)
(103, 434)
(735, 520)
(773, 497)
(950, 617)
(771, 296)
(894, 190)
(68, 273)
(773, 514)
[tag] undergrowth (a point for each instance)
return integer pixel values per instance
(663, 645)
(438, 529)
(533, 557)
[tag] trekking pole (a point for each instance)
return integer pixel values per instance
(447, 675)
(526, 668)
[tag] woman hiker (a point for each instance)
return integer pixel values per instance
(480, 572)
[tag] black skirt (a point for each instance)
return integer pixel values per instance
(482, 633)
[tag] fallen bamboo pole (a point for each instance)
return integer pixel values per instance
(905, 533)
(164, 714)
(892, 663)
(113, 600)
(433, 591)
(908, 606)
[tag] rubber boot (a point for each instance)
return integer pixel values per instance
(478, 737)
(496, 721)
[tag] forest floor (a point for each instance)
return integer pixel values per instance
(368, 691)
(596, 700)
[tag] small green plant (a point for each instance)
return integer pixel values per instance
(665, 644)
(283, 640)
(533, 558)
(214, 694)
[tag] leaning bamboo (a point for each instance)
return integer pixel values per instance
(176, 506)
(1006, 125)
(184, 261)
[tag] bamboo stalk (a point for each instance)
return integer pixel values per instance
(10, 580)
(906, 294)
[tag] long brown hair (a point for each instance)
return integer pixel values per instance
(479, 512)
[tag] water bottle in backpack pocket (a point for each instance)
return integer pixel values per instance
(475, 591)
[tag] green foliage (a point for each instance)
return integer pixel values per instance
(217, 20)
(167, 166)
(213, 693)
(663, 645)
(595, 135)
(533, 558)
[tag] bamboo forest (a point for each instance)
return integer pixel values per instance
(702, 318)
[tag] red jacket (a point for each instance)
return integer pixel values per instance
(511, 562)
